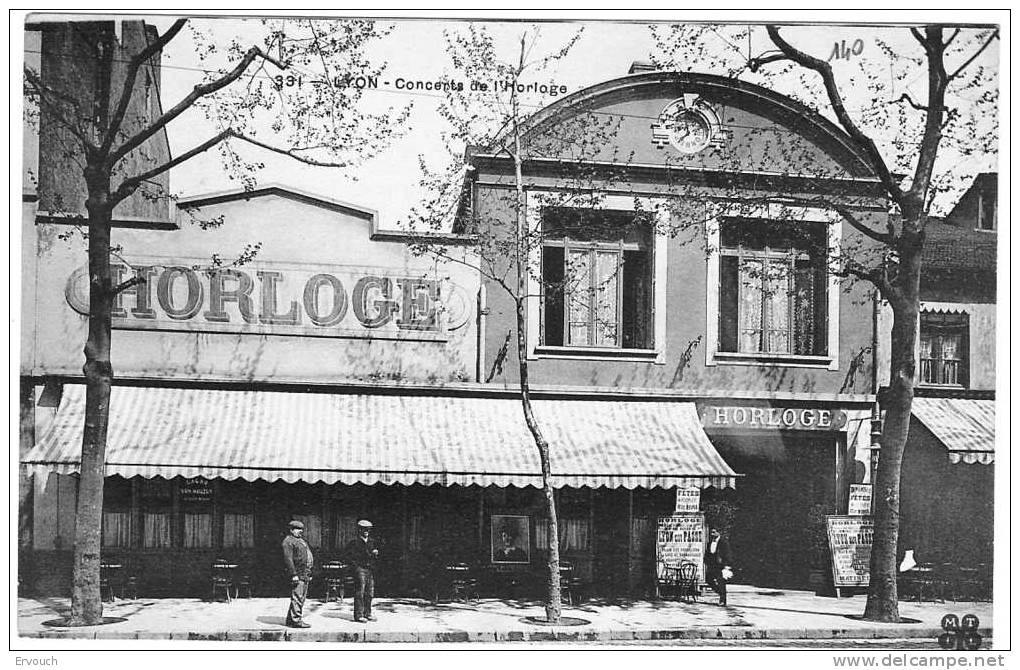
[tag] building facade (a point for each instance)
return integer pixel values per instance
(681, 254)
(683, 331)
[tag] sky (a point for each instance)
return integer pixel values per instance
(414, 50)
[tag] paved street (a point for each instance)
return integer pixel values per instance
(755, 616)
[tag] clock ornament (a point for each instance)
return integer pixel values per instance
(689, 124)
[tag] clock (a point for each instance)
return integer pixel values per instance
(688, 124)
(690, 132)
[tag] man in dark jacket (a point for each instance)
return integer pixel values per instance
(362, 553)
(717, 557)
(297, 556)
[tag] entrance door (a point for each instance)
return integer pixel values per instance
(786, 481)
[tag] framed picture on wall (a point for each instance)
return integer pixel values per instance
(511, 539)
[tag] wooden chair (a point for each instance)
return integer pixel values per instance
(689, 587)
(667, 580)
(222, 579)
(244, 584)
(461, 581)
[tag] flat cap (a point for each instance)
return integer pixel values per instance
(364, 523)
(297, 524)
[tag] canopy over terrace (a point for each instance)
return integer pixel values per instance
(966, 427)
(390, 439)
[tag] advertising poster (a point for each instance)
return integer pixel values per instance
(850, 545)
(680, 538)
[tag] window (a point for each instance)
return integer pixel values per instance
(238, 530)
(574, 534)
(155, 499)
(197, 530)
(313, 528)
(117, 529)
(597, 279)
(773, 298)
(943, 354)
(156, 530)
(346, 530)
(986, 209)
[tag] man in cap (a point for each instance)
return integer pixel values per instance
(362, 553)
(298, 558)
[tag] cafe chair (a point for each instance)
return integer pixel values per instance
(336, 581)
(244, 585)
(222, 580)
(461, 582)
(688, 585)
(571, 584)
(667, 580)
(105, 587)
(130, 589)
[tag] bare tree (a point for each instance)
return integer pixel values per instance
(486, 115)
(247, 101)
(895, 136)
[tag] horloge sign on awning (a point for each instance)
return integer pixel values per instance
(773, 418)
(280, 299)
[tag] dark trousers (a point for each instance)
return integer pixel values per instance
(364, 591)
(298, 592)
(715, 580)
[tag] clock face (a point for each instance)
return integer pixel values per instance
(690, 132)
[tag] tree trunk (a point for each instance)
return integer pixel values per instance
(883, 599)
(86, 601)
(553, 607)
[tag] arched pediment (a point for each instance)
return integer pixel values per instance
(634, 119)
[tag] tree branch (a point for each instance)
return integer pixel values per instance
(937, 82)
(47, 94)
(128, 186)
(977, 53)
(836, 101)
(196, 93)
(754, 64)
(129, 80)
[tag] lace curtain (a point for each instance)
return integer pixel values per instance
(155, 530)
(238, 530)
(116, 529)
(197, 531)
(575, 534)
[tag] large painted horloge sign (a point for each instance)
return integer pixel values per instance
(281, 299)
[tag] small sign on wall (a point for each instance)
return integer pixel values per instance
(196, 489)
(688, 501)
(860, 500)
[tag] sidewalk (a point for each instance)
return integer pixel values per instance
(753, 613)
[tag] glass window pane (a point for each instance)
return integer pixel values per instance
(238, 530)
(116, 529)
(750, 325)
(578, 281)
(777, 308)
(197, 530)
(607, 277)
(156, 530)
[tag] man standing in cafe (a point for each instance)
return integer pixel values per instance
(362, 553)
(297, 556)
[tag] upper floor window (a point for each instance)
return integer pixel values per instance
(986, 210)
(597, 278)
(943, 354)
(773, 295)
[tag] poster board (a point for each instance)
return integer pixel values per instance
(688, 501)
(850, 545)
(680, 538)
(860, 500)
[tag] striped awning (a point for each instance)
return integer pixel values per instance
(965, 427)
(390, 439)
